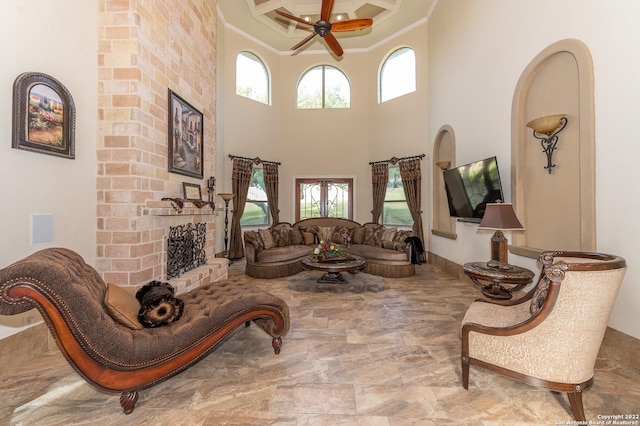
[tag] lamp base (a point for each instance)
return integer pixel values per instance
(499, 248)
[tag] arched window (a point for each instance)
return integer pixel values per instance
(397, 74)
(323, 86)
(252, 78)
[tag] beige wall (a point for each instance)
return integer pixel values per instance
(314, 143)
(477, 52)
(37, 37)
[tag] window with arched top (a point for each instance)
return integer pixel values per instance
(397, 74)
(252, 78)
(323, 86)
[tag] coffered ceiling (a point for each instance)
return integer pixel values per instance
(257, 20)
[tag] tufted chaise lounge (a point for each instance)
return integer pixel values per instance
(69, 294)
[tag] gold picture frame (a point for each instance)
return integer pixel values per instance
(191, 191)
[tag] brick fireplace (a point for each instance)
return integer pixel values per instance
(145, 49)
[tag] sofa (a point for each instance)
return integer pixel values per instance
(279, 250)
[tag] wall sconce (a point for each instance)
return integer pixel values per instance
(546, 129)
(211, 187)
(444, 165)
(500, 217)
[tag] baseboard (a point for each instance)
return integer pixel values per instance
(448, 266)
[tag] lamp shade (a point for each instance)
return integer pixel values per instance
(500, 216)
(226, 196)
(547, 124)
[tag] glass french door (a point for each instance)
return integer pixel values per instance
(324, 197)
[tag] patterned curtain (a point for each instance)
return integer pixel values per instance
(412, 182)
(379, 180)
(240, 179)
(271, 188)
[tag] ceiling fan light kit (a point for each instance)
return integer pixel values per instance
(324, 28)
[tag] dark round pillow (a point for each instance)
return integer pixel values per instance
(158, 307)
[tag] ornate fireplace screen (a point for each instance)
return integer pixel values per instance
(185, 248)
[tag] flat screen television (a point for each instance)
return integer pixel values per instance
(470, 187)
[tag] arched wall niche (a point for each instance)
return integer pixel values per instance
(444, 150)
(558, 208)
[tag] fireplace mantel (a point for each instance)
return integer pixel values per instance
(164, 208)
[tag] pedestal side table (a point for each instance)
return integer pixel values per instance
(493, 277)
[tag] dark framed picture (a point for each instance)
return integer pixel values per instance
(192, 191)
(185, 137)
(44, 116)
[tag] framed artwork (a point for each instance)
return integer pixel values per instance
(192, 191)
(44, 116)
(185, 137)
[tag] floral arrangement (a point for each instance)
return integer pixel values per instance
(328, 250)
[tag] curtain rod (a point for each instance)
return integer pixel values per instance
(394, 160)
(256, 160)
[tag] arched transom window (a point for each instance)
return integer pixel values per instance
(252, 78)
(323, 86)
(397, 74)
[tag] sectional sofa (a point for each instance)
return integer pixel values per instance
(279, 250)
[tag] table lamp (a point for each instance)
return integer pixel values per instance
(500, 217)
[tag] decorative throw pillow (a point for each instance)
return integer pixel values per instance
(358, 235)
(387, 234)
(325, 233)
(253, 238)
(313, 230)
(539, 295)
(372, 233)
(402, 235)
(295, 236)
(308, 238)
(158, 307)
(122, 306)
(341, 234)
(281, 236)
(267, 238)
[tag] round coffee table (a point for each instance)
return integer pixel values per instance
(333, 268)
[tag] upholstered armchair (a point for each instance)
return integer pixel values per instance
(549, 338)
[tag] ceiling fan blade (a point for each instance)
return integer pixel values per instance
(351, 25)
(305, 41)
(293, 18)
(332, 42)
(325, 12)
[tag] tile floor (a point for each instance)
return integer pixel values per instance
(387, 358)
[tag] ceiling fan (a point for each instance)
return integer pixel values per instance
(324, 28)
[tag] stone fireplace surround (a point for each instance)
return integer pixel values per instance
(166, 216)
(145, 49)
